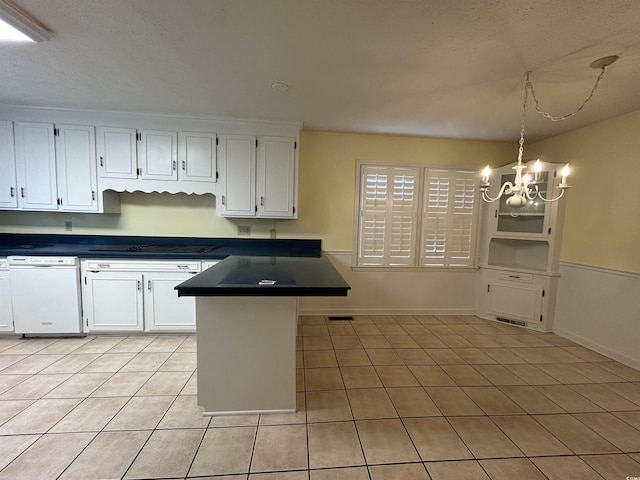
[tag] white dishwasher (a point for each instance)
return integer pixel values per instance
(45, 292)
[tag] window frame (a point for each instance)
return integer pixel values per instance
(421, 199)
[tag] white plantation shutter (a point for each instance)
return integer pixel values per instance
(388, 215)
(449, 216)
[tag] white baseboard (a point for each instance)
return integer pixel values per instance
(386, 311)
(599, 308)
(596, 347)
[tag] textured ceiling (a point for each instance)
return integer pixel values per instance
(451, 68)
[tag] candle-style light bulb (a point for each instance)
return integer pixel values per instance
(565, 173)
(485, 174)
(537, 168)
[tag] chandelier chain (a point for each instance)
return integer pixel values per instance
(553, 118)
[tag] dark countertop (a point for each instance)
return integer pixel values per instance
(152, 248)
(294, 276)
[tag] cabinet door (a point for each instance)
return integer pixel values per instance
(515, 302)
(158, 155)
(164, 310)
(197, 156)
(36, 166)
(117, 152)
(237, 194)
(276, 176)
(532, 219)
(114, 301)
(8, 190)
(76, 161)
(6, 310)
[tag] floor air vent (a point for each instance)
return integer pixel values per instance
(512, 322)
(340, 317)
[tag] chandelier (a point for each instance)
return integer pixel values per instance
(526, 187)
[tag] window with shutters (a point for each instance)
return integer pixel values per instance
(416, 216)
(388, 215)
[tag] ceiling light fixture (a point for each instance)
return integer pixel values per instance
(18, 26)
(280, 87)
(525, 188)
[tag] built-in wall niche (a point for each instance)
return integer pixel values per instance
(519, 254)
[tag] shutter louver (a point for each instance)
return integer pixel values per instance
(461, 252)
(435, 217)
(448, 220)
(389, 199)
(388, 216)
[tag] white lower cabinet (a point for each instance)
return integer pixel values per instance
(6, 310)
(522, 298)
(120, 295)
(164, 310)
(112, 301)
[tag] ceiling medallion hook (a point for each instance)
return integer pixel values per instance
(525, 188)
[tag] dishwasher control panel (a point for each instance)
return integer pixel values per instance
(42, 261)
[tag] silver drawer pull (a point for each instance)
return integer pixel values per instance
(183, 267)
(514, 276)
(104, 265)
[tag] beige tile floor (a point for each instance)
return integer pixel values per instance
(380, 398)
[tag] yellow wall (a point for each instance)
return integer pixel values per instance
(328, 173)
(326, 193)
(602, 219)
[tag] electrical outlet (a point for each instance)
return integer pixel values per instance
(244, 230)
(68, 226)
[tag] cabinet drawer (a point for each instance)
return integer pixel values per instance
(141, 266)
(515, 277)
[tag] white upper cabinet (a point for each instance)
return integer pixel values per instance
(56, 169)
(158, 154)
(257, 176)
(252, 172)
(76, 167)
(197, 156)
(276, 176)
(117, 152)
(36, 166)
(236, 191)
(156, 160)
(8, 186)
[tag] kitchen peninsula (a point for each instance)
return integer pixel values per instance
(246, 321)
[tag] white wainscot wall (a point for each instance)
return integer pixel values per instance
(600, 309)
(405, 291)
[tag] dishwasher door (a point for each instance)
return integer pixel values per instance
(45, 293)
